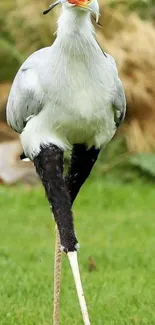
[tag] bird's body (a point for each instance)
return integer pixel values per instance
(66, 92)
(67, 95)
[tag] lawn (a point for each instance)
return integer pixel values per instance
(115, 224)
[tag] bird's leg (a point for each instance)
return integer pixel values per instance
(57, 279)
(82, 162)
(72, 256)
(49, 166)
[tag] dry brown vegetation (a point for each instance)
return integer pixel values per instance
(132, 42)
(124, 35)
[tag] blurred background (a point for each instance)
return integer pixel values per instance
(114, 213)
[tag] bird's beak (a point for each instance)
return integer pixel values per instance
(53, 5)
(90, 5)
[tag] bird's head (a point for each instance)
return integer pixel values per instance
(88, 5)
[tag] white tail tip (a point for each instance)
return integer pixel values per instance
(72, 256)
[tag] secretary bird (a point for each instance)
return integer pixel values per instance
(67, 96)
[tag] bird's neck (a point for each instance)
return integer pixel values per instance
(75, 29)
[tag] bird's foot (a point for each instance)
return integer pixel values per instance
(68, 240)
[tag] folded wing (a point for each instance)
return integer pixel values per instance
(25, 99)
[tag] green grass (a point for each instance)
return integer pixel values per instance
(115, 224)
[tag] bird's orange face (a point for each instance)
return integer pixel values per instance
(80, 3)
(90, 5)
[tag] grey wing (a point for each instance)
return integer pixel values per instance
(25, 99)
(119, 103)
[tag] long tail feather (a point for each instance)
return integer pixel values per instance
(57, 279)
(72, 256)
